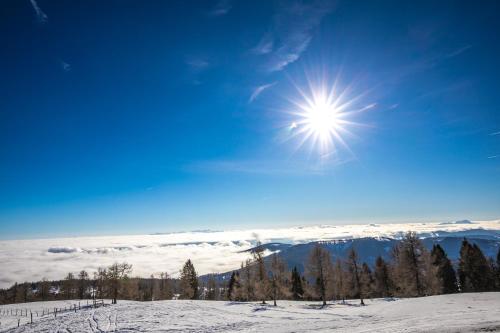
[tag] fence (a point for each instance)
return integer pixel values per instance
(31, 315)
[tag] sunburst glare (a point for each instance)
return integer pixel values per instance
(322, 116)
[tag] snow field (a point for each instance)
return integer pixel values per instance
(474, 312)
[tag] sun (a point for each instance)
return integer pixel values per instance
(322, 116)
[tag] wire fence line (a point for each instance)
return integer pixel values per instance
(28, 316)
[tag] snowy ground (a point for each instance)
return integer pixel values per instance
(452, 313)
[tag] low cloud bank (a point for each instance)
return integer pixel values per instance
(211, 252)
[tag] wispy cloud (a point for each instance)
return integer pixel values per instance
(197, 63)
(257, 91)
(493, 156)
(495, 133)
(458, 51)
(269, 167)
(196, 67)
(40, 15)
(291, 32)
(265, 45)
(222, 7)
(65, 66)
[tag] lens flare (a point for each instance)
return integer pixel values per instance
(322, 116)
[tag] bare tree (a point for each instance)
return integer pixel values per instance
(44, 289)
(261, 280)
(354, 270)
(339, 281)
(114, 274)
(411, 260)
(382, 278)
(278, 278)
(318, 269)
(69, 286)
(83, 278)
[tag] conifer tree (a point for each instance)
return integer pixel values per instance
(231, 285)
(474, 271)
(444, 272)
(382, 278)
(238, 291)
(189, 281)
(297, 289)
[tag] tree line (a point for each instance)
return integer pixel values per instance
(412, 271)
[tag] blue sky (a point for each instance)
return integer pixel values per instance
(149, 116)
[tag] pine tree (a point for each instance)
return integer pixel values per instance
(189, 281)
(474, 271)
(297, 290)
(444, 272)
(238, 290)
(354, 270)
(230, 287)
(318, 269)
(382, 278)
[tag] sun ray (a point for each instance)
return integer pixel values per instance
(321, 115)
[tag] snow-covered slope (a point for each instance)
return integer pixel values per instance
(450, 313)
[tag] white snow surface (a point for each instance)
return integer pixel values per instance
(474, 312)
(210, 251)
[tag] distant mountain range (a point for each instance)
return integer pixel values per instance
(369, 248)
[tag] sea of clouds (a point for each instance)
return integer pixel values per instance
(210, 251)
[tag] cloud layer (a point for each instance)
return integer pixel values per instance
(211, 252)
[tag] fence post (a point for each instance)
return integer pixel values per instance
(31, 313)
(18, 321)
